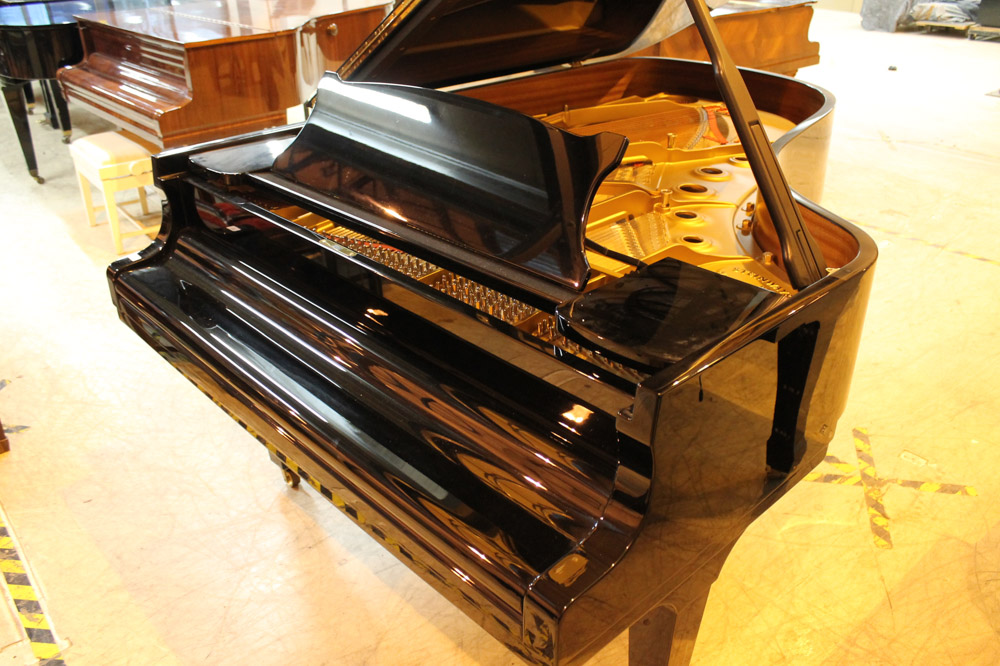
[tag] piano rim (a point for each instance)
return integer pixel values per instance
(169, 165)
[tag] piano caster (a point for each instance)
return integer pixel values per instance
(292, 479)
(34, 174)
(66, 135)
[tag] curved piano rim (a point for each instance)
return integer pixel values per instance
(843, 289)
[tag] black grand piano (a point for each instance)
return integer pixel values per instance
(36, 39)
(554, 339)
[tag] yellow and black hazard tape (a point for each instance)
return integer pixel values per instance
(848, 476)
(290, 465)
(924, 241)
(29, 609)
(874, 486)
(929, 487)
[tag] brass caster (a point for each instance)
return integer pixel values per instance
(34, 174)
(292, 479)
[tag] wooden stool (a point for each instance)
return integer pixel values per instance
(113, 163)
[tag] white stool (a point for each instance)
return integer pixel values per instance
(113, 163)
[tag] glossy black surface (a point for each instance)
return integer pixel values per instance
(508, 193)
(36, 39)
(435, 43)
(36, 14)
(357, 378)
(14, 98)
(234, 162)
(554, 506)
(661, 313)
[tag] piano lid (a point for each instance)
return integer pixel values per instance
(437, 43)
(209, 21)
(498, 192)
(64, 12)
(34, 14)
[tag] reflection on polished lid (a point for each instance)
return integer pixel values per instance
(436, 43)
(498, 191)
(206, 21)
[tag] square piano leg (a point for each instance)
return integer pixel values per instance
(14, 97)
(666, 635)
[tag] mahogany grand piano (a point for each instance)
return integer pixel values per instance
(772, 35)
(549, 325)
(187, 72)
(173, 72)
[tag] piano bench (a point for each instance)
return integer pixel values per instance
(113, 163)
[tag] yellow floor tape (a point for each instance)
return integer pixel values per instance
(29, 609)
(874, 486)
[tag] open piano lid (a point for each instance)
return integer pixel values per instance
(435, 43)
(469, 183)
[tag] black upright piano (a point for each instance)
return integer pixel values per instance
(519, 310)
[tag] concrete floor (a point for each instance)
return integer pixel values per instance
(157, 531)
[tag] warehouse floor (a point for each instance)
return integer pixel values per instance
(155, 530)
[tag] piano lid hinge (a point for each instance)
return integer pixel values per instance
(576, 63)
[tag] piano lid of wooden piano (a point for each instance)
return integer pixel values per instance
(203, 23)
(772, 35)
(195, 71)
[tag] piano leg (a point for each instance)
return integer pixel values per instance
(292, 477)
(666, 635)
(51, 117)
(4, 442)
(29, 98)
(61, 118)
(14, 97)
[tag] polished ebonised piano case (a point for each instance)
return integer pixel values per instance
(555, 370)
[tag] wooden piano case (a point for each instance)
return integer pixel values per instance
(193, 72)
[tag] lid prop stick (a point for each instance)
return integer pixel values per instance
(802, 256)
